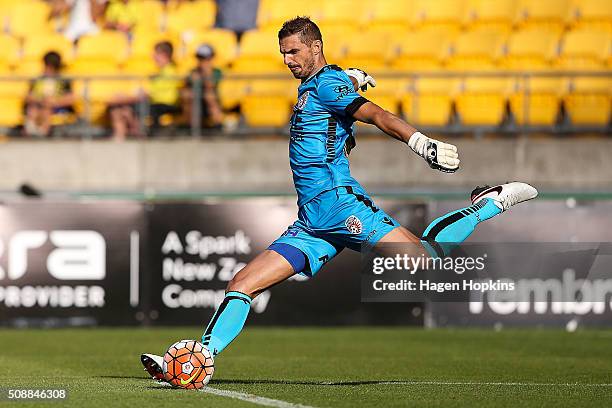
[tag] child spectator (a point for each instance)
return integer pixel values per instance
(206, 78)
(163, 95)
(49, 94)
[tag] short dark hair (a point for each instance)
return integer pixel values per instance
(165, 47)
(303, 26)
(53, 59)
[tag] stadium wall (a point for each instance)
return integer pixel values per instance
(262, 165)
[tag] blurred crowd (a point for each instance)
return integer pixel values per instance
(140, 68)
(76, 18)
(52, 94)
(140, 113)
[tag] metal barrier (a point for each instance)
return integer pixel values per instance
(85, 126)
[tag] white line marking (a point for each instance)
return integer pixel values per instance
(255, 399)
(134, 267)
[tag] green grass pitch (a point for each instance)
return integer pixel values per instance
(323, 367)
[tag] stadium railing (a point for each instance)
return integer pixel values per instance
(562, 102)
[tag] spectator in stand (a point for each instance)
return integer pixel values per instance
(163, 96)
(237, 15)
(49, 94)
(82, 18)
(206, 78)
(165, 85)
(121, 16)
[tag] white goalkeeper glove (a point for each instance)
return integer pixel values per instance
(439, 155)
(362, 78)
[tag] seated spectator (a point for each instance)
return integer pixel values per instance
(49, 94)
(121, 16)
(163, 95)
(82, 16)
(206, 78)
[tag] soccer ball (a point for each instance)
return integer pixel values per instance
(188, 364)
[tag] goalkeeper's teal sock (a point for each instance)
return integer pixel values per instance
(227, 322)
(444, 233)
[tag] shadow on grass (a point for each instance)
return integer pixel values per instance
(130, 377)
(261, 381)
(291, 382)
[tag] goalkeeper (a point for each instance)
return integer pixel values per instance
(335, 212)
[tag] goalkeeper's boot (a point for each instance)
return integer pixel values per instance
(505, 195)
(153, 365)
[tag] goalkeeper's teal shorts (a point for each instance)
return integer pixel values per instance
(334, 220)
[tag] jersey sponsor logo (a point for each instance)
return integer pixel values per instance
(354, 225)
(342, 91)
(302, 100)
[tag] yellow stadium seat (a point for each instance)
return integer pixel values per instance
(259, 51)
(429, 101)
(443, 14)
(482, 101)
(36, 46)
(267, 102)
(589, 101)
(137, 65)
(281, 87)
(531, 49)
(100, 54)
(593, 14)
(10, 50)
(94, 96)
(584, 49)
(149, 14)
(499, 14)
(29, 17)
(231, 91)
(365, 49)
(550, 14)
(476, 50)
(335, 40)
(390, 15)
(418, 51)
(223, 42)
(5, 69)
(14, 88)
(93, 67)
(191, 16)
(12, 94)
(11, 113)
(107, 45)
(342, 13)
(273, 13)
(387, 93)
(536, 101)
(266, 111)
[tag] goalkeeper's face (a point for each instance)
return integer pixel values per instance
(299, 57)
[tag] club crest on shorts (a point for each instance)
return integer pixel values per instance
(354, 225)
(301, 103)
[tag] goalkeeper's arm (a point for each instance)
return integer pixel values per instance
(439, 155)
